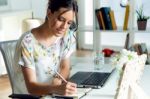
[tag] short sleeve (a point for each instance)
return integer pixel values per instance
(69, 44)
(27, 52)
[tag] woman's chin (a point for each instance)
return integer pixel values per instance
(59, 34)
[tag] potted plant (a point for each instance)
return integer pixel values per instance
(141, 19)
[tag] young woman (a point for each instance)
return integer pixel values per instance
(47, 48)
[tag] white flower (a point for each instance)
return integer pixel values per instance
(123, 57)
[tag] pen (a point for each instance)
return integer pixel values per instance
(61, 76)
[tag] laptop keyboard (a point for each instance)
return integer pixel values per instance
(96, 78)
(90, 78)
(79, 77)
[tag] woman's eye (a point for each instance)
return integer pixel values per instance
(64, 20)
(69, 23)
(61, 19)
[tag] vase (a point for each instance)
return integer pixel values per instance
(142, 25)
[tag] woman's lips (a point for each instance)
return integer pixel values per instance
(61, 31)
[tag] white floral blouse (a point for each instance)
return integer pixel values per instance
(44, 59)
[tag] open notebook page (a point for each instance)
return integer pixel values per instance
(80, 93)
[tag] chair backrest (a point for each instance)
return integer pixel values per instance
(8, 49)
(131, 76)
(19, 91)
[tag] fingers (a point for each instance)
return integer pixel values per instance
(67, 89)
(70, 88)
(72, 85)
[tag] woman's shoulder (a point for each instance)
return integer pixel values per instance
(27, 37)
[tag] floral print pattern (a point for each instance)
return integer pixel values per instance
(45, 59)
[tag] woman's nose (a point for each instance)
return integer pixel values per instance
(65, 25)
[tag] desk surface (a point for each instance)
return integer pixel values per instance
(109, 89)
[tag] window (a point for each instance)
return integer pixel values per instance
(85, 36)
(4, 5)
(3, 2)
(89, 21)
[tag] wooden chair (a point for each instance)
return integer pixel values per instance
(129, 87)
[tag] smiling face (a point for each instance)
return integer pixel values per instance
(60, 21)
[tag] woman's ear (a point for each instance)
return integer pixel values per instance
(48, 13)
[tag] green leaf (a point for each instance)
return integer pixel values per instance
(140, 14)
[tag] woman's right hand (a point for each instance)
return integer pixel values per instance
(67, 89)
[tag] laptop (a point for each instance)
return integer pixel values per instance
(93, 79)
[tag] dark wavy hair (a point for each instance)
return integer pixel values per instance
(55, 5)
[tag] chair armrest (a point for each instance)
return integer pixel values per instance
(24, 96)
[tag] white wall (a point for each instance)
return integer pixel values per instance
(11, 29)
(38, 6)
(20, 4)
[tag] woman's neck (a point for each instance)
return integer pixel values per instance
(43, 35)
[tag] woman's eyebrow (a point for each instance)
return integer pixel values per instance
(65, 18)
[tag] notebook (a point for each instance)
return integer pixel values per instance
(80, 93)
(85, 79)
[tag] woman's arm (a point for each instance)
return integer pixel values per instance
(32, 85)
(64, 72)
(37, 88)
(65, 68)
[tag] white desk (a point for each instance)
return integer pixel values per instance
(145, 79)
(109, 89)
